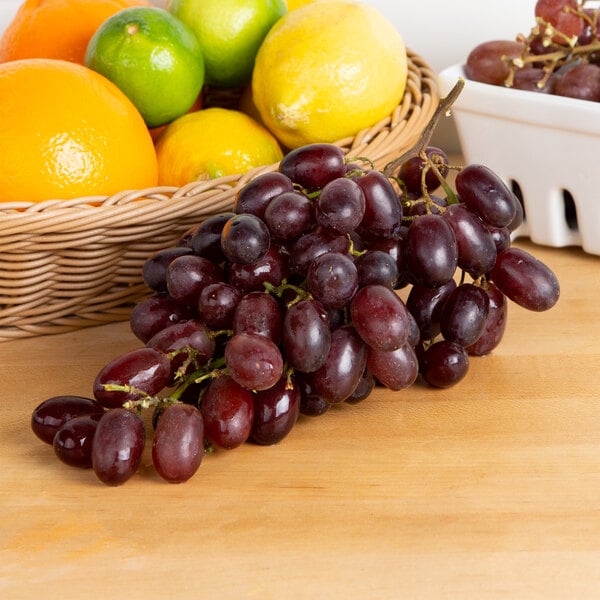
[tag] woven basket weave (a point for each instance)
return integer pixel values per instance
(68, 264)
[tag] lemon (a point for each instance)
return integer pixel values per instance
(327, 70)
(154, 58)
(294, 4)
(230, 33)
(212, 143)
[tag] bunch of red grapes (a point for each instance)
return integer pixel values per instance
(560, 55)
(292, 303)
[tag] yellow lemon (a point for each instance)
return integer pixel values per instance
(211, 143)
(294, 4)
(327, 70)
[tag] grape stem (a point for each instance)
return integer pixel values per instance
(442, 110)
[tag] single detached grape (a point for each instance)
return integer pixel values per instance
(178, 443)
(117, 446)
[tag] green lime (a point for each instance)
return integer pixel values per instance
(154, 58)
(230, 33)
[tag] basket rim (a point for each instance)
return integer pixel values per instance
(420, 75)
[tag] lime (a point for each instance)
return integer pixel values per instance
(211, 143)
(154, 58)
(230, 33)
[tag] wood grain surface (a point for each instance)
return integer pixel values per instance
(488, 490)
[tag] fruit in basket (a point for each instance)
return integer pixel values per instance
(558, 56)
(57, 28)
(327, 70)
(230, 33)
(153, 57)
(68, 132)
(211, 143)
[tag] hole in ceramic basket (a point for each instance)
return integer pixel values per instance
(516, 190)
(570, 211)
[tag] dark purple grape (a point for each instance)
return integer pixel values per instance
(485, 194)
(154, 268)
(425, 304)
(178, 443)
(253, 360)
(519, 216)
(501, 237)
(289, 215)
(380, 317)
(395, 369)
(306, 335)
(395, 248)
(254, 197)
(228, 412)
(444, 364)
(464, 314)
(340, 206)
(190, 340)
(526, 280)
(216, 305)
(476, 246)
(117, 446)
(314, 165)
(364, 388)
(338, 377)
(49, 416)
(495, 324)
(276, 411)
(272, 268)
(431, 251)
(157, 312)
(312, 404)
(314, 243)
(187, 276)
(411, 171)
(245, 239)
(73, 441)
(376, 267)
(332, 279)
(581, 81)
(206, 239)
(383, 211)
(145, 370)
(486, 62)
(259, 312)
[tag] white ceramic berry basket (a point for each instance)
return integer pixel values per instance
(546, 147)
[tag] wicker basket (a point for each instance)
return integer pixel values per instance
(70, 264)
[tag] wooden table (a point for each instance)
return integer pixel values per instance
(487, 490)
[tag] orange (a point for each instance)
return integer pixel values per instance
(57, 28)
(68, 132)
